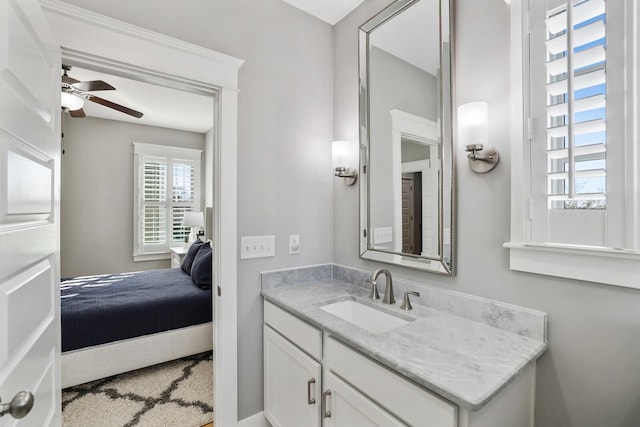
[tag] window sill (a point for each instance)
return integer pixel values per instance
(601, 265)
(151, 257)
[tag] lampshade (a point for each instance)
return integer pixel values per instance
(473, 123)
(340, 154)
(71, 101)
(193, 219)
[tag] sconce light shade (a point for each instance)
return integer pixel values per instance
(70, 101)
(473, 133)
(473, 123)
(340, 154)
(341, 160)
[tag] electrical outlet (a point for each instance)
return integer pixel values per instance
(294, 244)
(382, 235)
(257, 247)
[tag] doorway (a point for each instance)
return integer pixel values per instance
(113, 46)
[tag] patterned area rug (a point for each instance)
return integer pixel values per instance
(177, 393)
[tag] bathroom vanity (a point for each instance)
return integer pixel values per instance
(458, 361)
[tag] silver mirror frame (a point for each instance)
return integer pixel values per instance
(444, 263)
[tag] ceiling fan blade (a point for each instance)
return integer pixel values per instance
(115, 106)
(69, 80)
(77, 113)
(92, 85)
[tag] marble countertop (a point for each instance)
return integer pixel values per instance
(465, 361)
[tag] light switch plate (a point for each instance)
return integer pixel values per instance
(382, 235)
(257, 247)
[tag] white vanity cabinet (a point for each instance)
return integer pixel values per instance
(312, 379)
(292, 369)
(345, 406)
(291, 383)
(406, 401)
(303, 388)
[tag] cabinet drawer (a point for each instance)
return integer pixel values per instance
(399, 396)
(305, 336)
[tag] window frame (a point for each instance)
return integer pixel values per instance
(170, 154)
(607, 265)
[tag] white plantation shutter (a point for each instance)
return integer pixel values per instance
(570, 122)
(154, 224)
(183, 196)
(576, 105)
(167, 186)
(575, 198)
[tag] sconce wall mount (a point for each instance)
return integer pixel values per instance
(350, 175)
(342, 159)
(482, 158)
(473, 131)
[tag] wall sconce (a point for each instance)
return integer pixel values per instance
(340, 153)
(473, 132)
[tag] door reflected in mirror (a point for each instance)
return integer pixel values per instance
(407, 206)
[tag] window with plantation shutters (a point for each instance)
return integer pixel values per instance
(576, 106)
(167, 185)
(568, 121)
(576, 198)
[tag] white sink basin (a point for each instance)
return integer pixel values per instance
(364, 316)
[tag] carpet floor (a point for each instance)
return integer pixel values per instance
(177, 393)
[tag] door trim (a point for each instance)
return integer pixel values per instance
(118, 44)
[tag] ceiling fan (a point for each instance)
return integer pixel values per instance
(75, 92)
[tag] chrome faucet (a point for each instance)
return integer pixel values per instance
(406, 302)
(388, 290)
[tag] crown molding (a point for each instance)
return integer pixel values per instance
(95, 19)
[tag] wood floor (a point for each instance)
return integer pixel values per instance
(208, 425)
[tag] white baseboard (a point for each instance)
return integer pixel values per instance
(257, 420)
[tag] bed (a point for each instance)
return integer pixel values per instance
(114, 323)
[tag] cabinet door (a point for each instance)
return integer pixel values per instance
(347, 407)
(291, 383)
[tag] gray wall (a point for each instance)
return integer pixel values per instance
(97, 193)
(285, 123)
(589, 377)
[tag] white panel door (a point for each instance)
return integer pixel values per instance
(344, 406)
(291, 383)
(29, 212)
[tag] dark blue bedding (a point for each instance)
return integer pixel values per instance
(111, 307)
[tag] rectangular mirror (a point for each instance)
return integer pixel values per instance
(407, 203)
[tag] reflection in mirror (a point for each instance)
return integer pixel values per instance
(407, 204)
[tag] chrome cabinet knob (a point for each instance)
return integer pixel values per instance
(19, 406)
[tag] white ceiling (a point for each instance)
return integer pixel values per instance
(161, 106)
(330, 11)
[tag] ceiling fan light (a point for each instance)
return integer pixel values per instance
(71, 102)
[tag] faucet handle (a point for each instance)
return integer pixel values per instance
(374, 295)
(406, 303)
